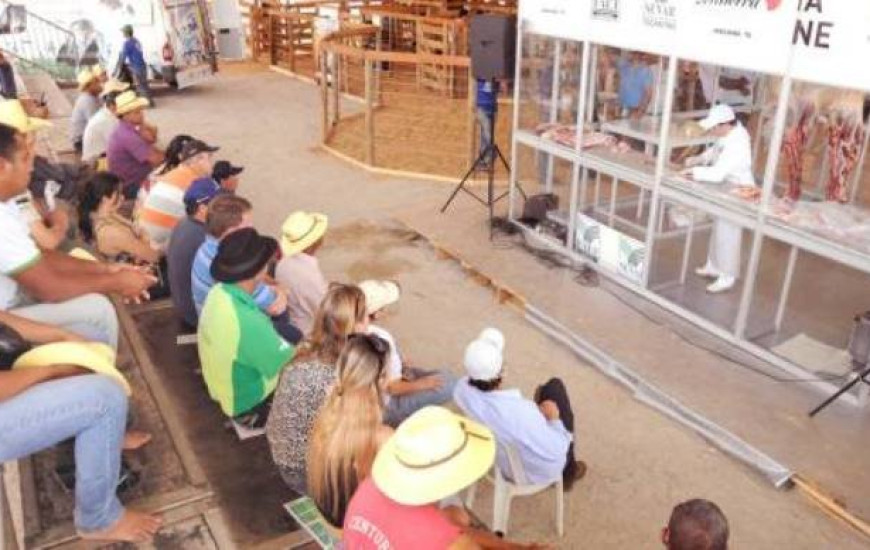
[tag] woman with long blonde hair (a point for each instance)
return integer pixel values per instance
(306, 382)
(349, 427)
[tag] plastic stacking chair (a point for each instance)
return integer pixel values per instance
(505, 490)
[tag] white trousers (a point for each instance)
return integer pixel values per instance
(723, 254)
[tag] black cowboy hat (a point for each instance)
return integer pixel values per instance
(241, 255)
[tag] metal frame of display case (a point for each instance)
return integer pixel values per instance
(663, 188)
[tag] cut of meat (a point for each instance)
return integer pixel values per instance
(845, 137)
(566, 135)
(794, 145)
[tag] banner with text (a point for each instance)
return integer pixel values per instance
(559, 18)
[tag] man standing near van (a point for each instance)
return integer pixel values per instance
(131, 55)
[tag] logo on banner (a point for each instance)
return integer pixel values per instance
(605, 9)
(660, 14)
(771, 5)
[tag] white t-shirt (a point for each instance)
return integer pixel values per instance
(394, 363)
(18, 251)
(97, 132)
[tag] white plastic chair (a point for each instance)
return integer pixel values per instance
(504, 490)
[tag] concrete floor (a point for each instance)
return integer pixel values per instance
(641, 464)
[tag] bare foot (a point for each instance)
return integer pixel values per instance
(132, 527)
(135, 440)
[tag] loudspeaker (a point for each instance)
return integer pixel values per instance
(493, 46)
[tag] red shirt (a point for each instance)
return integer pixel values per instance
(374, 522)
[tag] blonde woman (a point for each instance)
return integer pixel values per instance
(349, 428)
(306, 383)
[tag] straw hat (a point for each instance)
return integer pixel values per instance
(380, 294)
(12, 113)
(128, 101)
(94, 356)
(433, 454)
(112, 86)
(85, 77)
(301, 230)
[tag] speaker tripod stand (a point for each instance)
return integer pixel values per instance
(486, 160)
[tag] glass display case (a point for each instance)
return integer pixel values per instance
(717, 219)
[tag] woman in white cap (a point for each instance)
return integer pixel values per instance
(540, 431)
(729, 161)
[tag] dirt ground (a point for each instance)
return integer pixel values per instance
(640, 463)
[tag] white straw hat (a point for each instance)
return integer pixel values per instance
(379, 294)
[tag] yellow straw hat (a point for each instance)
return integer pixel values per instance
(12, 113)
(94, 356)
(433, 454)
(85, 77)
(380, 294)
(301, 230)
(112, 86)
(128, 101)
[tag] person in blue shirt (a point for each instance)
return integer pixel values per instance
(540, 432)
(132, 57)
(635, 84)
(487, 109)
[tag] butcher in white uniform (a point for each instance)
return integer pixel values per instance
(729, 160)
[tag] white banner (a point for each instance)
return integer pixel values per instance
(747, 34)
(832, 43)
(645, 25)
(558, 18)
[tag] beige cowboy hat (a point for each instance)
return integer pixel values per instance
(93, 356)
(301, 230)
(114, 86)
(12, 113)
(85, 77)
(432, 455)
(380, 294)
(128, 101)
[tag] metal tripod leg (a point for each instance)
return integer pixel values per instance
(860, 377)
(461, 186)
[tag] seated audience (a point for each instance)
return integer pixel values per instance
(433, 455)
(100, 126)
(113, 235)
(298, 273)
(50, 286)
(43, 406)
(696, 525)
(185, 240)
(240, 352)
(226, 175)
(87, 104)
(305, 384)
(172, 158)
(349, 428)
(408, 388)
(163, 208)
(129, 152)
(541, 432)
(227, 215)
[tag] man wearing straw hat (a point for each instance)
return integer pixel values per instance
(540, 431)
(298, 272)
(131, 157)
(103, 123)
(433, 455)
(87, 104)
(44, 285)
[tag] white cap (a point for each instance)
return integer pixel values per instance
(719, 114)
(483, 357)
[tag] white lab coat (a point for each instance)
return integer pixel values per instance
(729, 160)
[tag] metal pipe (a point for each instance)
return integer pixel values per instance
(554, 109)
(786, 288)
(766, 193)
(687, 250)
(661, 160)
(512, 177)
(578, 145)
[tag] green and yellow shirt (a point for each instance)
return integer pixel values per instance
(240, 352)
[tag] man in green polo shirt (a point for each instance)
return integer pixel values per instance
(241, 353)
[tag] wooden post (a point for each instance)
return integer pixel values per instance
(271, 28)
(472, 117)
(324, 95)
(370, 114)
(336, 88)
(291, 43)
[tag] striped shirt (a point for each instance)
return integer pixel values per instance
(164, 206)
(201, 280)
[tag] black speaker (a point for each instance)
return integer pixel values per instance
(493, 46)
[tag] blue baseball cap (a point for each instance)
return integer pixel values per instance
(201, 191)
